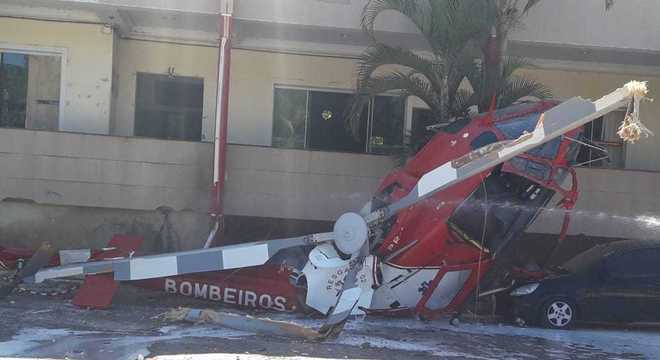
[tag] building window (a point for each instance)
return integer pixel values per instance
(169, 107)
(29, 90)
(420, 133)
(316, 120)
(290, 118)
(603, 148)
(386, 127)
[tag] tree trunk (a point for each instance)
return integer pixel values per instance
(493, 64)
(444, 99)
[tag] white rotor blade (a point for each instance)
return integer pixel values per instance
(184, 262)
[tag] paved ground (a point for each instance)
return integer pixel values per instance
(50, 327)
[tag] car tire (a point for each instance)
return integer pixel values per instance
(558, 313)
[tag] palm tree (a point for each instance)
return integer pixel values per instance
(454, 31)
(509, 15)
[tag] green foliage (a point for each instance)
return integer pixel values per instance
(454, 30)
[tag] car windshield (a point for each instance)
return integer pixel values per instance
(586, 259)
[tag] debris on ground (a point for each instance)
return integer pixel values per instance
(243, 323)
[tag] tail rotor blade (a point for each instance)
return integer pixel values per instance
(348, 298)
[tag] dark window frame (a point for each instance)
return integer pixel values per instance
(152, 102)
(368, 146)
(30, 101)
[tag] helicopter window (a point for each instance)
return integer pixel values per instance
(533, 168)
(490, 217)
(512, 129)
(474, 220)
(484, 139)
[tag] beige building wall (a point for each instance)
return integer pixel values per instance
(86, 51)
(135, 56)
(253, 77)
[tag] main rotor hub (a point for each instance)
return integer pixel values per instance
(351, 232)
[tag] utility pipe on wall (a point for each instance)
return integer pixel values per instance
(221, 117)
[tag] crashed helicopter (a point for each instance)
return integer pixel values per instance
(436, 231)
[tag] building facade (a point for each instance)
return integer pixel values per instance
(109, 110)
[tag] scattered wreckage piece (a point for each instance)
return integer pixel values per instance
(247, 323)
(37, 261)
(429, 237)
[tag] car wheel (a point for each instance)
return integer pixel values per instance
(558, 314)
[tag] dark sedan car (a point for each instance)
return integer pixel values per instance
(615, 282)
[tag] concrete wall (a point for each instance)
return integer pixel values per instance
(135, 56)
(630, 24)
(25, 224)
(103, 171)
(297, 184)
(329, 13)
(106, 172)
(613, 204)
(87, 66)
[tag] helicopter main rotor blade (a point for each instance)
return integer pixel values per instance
(183, 262)
(555, 122)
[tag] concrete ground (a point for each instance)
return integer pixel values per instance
(46, 326)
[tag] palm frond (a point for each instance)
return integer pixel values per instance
(530, 4)
(518, 87)
(410, 83)
(463, 99)
(379, 55)
(417, 11)
(458, 23)
(511, 64)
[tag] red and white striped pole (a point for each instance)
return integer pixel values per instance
(221, 117)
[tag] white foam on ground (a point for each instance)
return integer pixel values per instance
(382, 343)
(28, 339)
(234, 357)
(42, 342)
(618, 341)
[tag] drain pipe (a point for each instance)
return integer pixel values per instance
(221, 116)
